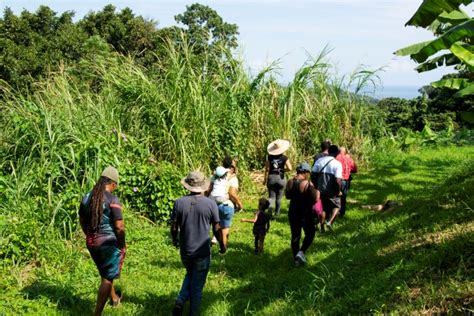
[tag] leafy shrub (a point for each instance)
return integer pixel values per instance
(151, 189)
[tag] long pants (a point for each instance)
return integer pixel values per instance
(300, 221)
(194, 280)
(276, 188)
(344, 190)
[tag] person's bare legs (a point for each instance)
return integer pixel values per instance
(113, 295)
(261, 240)
(335, 212)
(105, 291)
(225, 235)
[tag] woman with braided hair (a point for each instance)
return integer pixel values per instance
(101, 220)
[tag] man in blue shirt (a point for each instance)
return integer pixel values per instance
(191, 219)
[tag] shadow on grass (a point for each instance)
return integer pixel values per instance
(64, 297)
(152, 304)
(372, 263)
(376, 263)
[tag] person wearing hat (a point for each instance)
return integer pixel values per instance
(191, 221)
(220, 186)
(101, 219)
(275, 167)
(302, 195)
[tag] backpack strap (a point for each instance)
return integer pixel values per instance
(321, 171)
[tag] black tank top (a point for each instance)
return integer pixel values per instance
(302, 202)
(277, 164)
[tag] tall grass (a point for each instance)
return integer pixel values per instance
(109, 110)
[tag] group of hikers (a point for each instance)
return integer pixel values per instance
(317, 197)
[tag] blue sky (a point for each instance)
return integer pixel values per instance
(363, 32)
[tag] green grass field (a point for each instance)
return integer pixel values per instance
(415, 258)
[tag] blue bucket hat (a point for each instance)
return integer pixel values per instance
(303, 167)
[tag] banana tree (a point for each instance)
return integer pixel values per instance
(453, 46)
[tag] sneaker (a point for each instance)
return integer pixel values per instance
(300, 257)
(328, 224)
(177, 310)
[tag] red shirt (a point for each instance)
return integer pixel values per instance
(348, 165)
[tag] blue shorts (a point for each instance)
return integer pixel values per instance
(226, 213)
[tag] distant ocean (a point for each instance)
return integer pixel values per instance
(404, 92)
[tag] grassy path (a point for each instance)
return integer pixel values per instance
(415, 258)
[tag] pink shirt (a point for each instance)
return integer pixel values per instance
(348, 165)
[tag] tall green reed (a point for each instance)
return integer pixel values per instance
(56, 139)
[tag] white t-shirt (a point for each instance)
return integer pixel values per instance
(334, 167)
(220, 189)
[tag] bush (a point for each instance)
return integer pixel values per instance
(151, 188)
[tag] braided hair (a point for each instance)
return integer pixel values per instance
(94, 214)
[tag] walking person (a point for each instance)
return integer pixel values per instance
(191, 219)
(302, 195)
(261, 224)
(348, 168)
(327, 177)
(224, 190)
(323, 152)
(101, 220)
(274, 178)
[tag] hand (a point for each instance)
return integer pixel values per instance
(222, 250)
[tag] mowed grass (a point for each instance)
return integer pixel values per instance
(415, 258)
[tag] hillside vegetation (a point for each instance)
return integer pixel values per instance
(414, 258)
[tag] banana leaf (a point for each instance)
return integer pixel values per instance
(429, 11)
(455, 34)
(469, 90)
(447, 20)
(412, 49)
(452, 83)
(463, 52)
(454, 18)
(444, 60)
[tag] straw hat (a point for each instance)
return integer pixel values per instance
(111, 173)
(195, 182)
(278, 146)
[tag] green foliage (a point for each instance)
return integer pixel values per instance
(126, 33)
(455, 31)
(33, 43)
(151, 189)
(106, 110)
(206, 30)
(404, 113)
(414, 259)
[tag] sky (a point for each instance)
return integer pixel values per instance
(359, 33)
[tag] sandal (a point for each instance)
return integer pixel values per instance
(116, 302)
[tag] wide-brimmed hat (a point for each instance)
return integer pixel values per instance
(278, 146)
(111, 173)
(220, 171)
(196, 182)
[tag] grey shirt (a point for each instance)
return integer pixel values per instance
(194, 215)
